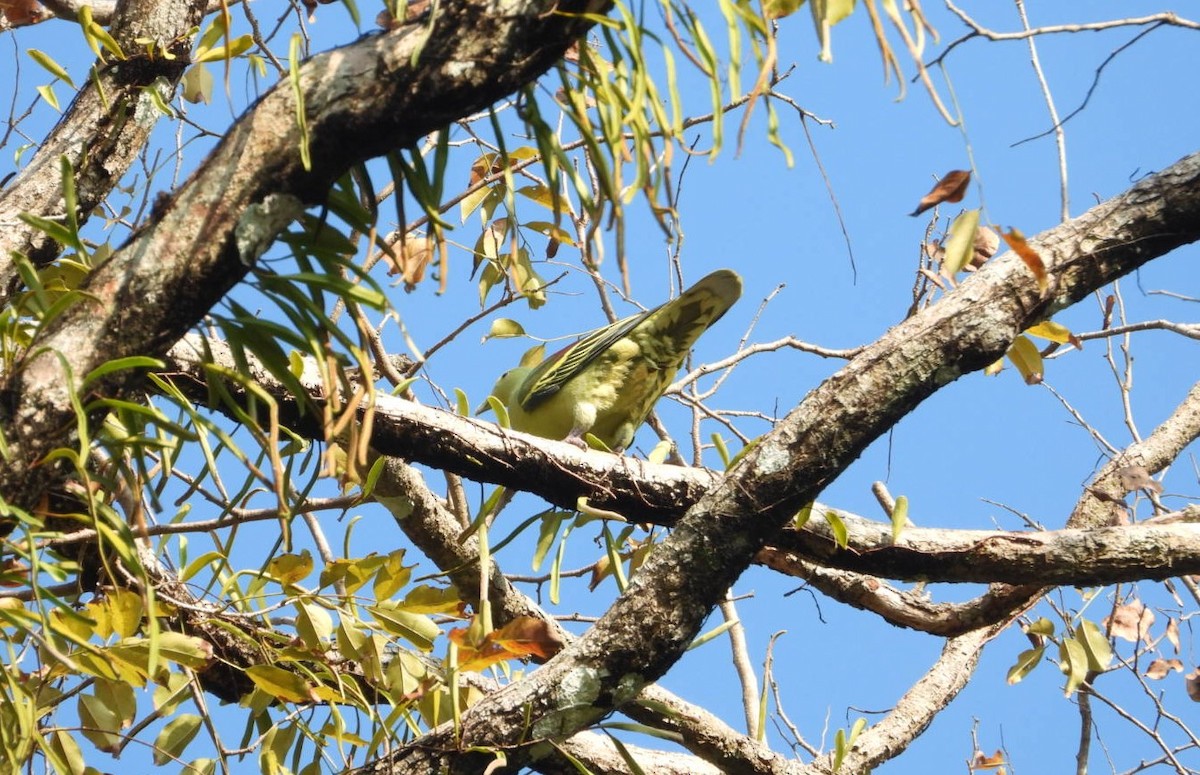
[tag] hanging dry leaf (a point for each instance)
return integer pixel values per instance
(528, 636)
(1016, 242)
(951, 188)
(982, 761)
(987, 242)
(600, 571)
(1192, 682)
(1173, 633)
(1137, 478)
(410, 258)
(1130, 622)
(1161, 668)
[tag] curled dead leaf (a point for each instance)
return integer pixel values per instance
(410, 258)
(951, 188)
(987, 242)
(1173, 633)
(1130, 622)
(1016, 242)
(1161, 668)
(1137, 478)
(982, 761)
(1192, 682)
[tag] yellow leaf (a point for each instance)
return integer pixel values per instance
(280, 683)
(960, 244)
(290, 568)
(198, 84)
(1048, 329)
(125, 610)
(1025, 356)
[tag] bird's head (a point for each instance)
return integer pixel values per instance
(506, 387)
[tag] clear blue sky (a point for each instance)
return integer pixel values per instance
(980, 439)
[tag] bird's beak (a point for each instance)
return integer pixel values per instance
(483, 408)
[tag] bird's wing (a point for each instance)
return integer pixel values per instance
(667, 334)
(548, 377)
(664, 335)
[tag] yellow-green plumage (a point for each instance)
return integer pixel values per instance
(607, 382)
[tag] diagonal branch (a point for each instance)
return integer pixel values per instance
(648, 627)
(381, 92)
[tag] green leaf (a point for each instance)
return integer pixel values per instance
(1099, 651)
(1025, 664)
(841, 535)
(503, 328)
(298, 94)
(827, 13)
(64, 754)
(392, 575)
(722, 449)
(175, 736)
(314, 625)
(236, 47)
(547, 532)
(279, 683)
(290, 568)
(121, 364)
(802, 516)
(99, 722)
(899, 517)
(777, 9)
(57, 70)
(97, 37)
(1042, 626)
(198, 85)
(417, 629)
(1073, 661)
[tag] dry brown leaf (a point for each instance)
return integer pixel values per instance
(1192, 682)
(1161, 668)
(1173, 633)
(987, 242)
(600, 571)
(1137, 478)
(528, 636)
(410, 258)
(982, 761)
(1016, 242)
(1130, 622)
(951, 188)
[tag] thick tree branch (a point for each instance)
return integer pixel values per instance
(668, 600)
(103, 130)
(381, 92)
(646, 492)
(436, 533)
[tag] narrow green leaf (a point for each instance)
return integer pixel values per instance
(122, 364)
(841, 535)
(45, 60)
(899, 517)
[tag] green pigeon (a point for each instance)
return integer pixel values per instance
(607, 382)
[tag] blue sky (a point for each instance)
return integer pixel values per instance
(983, 438)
